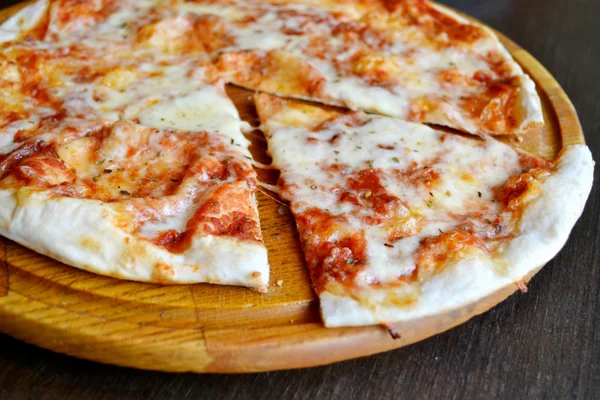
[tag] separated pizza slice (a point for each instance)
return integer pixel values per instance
(399, 221)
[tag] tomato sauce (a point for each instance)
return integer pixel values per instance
(434, 252)
(434, 22)
(171, 240)
(337, 260)
(515, 191)
(365, 190)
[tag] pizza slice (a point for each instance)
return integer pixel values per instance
(409, 59)
(133, 202)
(122, 155)
(399, 221)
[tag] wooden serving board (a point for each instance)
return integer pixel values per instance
(210, 328)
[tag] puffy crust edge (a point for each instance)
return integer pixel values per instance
(84, 233)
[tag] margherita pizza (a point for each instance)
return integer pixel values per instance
(121, 154)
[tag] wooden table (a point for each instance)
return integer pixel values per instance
(542, 344)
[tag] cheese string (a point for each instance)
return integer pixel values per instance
(273, 189)
(262, 166)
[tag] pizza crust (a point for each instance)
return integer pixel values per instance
(545, 226)
(82, 233)
(548, 220)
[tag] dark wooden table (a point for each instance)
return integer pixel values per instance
(545, 344)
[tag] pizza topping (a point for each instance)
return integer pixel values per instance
(519, 189)
(436, 24)
(333, 251)
(170, 239)
(408, 59)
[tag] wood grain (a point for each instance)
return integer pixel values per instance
(206, 328)
(3, 270)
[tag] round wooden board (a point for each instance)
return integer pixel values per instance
(209, 328)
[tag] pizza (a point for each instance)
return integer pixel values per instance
(399, 221)
(121, 153)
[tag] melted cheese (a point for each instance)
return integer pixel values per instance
(228, 13)
(315, 172)
(204, 110)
